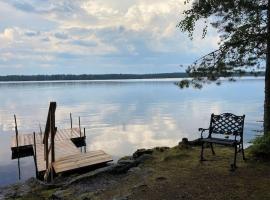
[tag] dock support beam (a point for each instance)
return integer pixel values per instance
(70, 116)
(80, 126)
(35, 153)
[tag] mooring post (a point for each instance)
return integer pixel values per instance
(35, 154)
(80, 126)
(16, 131)
(70, 115)
(17, 143)
(40, 131)
(84, 140)
(53, 130)
(19, 168)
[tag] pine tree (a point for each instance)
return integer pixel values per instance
(244, 29)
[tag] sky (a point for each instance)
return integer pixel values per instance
(96, 37)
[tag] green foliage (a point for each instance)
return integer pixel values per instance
(242, 27)
(261, 147)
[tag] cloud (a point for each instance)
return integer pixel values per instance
(8, 34)
(123, 34)
(61, 35)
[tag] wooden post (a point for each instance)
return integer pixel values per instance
(50, 129)
(35, 154)
(52, 135)
(40, 132)
(84, 140)
(70, 116)
(16, 131)
(17, 143)
(19, 168)
(80, 126)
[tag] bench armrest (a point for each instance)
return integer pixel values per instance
(202, 130)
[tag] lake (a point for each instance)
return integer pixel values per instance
(122, 116)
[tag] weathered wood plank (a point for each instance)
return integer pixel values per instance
(62, 149)
(27, 139)
(79, 161)
(93, 153)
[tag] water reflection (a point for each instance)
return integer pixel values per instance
(120, 116)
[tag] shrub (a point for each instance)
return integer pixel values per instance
(261, 147)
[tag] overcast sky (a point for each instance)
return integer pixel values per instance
(95, 36)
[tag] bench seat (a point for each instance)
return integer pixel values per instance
(222, 141)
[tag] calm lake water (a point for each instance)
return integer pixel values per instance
(122, 116)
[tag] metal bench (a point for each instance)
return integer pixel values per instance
(225, 129)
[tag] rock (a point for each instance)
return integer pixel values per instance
(122, 168)
(126, 162)
(58, 195)
(125, 158)
(141, 152)
(162, 149)
(196, 142)
(16, 190)
(134, 169)
(140, 187)
(161, 178)
(184, 144)
(185, 141)
(143, 158)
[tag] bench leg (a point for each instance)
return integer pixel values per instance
(243, 153)
(212, 148)
(202, 159)
(233, 166)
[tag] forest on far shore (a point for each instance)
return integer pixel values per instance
(62, 77)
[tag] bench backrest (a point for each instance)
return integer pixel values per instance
(227, 124)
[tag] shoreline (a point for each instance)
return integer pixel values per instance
(158, 173)
(123, 80)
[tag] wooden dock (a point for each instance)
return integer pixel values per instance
(67, 156)
(55, 151)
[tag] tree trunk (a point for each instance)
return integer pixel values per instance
(267, 79)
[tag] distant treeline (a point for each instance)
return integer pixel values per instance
(64, 77)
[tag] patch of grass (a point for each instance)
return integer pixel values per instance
(47, 193)
(174, 154)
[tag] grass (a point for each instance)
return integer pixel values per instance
(175, 173)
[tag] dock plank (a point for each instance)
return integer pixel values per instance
(62, 149)
(81, 160)
(27, 139)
